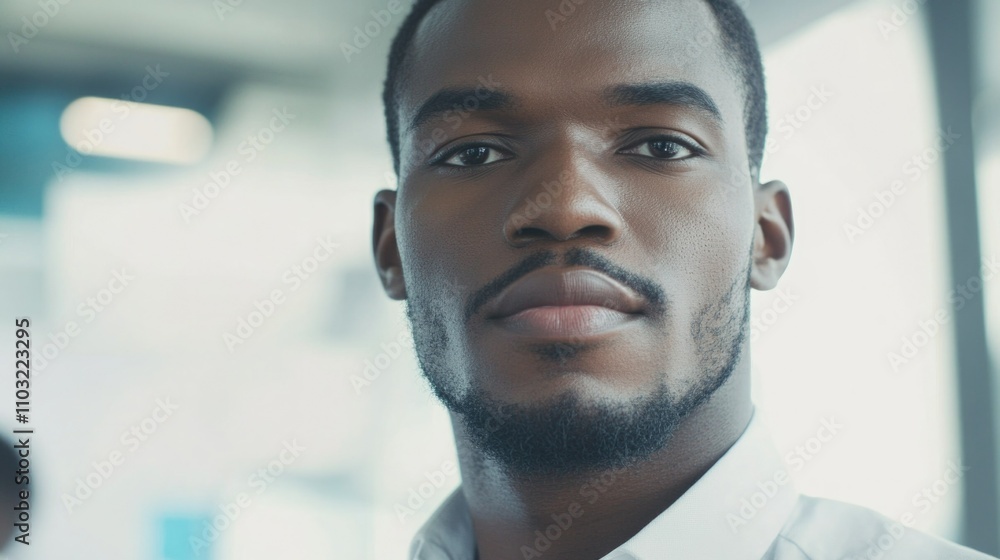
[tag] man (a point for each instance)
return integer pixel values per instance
(577, 227)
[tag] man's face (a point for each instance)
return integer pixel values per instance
(575, 239)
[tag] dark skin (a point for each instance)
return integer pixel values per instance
(661, 188)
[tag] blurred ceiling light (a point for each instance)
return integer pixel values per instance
(140, 131)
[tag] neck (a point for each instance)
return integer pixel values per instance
(586, 516)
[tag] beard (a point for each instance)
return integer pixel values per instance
(566, 435)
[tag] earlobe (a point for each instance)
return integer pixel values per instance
(774, 235)
(386, 251)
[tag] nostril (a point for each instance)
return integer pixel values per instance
(602, 232)
(530, 233)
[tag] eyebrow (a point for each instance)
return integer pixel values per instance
(454, 99)
(680, 93)
(684, 94)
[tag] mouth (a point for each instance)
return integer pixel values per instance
(565, 303)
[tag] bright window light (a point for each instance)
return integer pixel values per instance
(137, 131)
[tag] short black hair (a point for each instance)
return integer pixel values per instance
(739, 41)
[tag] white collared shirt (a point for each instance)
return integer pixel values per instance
(744, 508)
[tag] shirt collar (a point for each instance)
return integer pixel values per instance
(734, 511)
(447, 535)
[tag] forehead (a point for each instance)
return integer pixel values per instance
(556, 56)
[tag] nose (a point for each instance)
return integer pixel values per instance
(577, 200)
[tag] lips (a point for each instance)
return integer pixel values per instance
(565, 288)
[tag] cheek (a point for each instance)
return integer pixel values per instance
(413, 236)
(416, 230)
(437, 244)
(696, 223)
(699, 236)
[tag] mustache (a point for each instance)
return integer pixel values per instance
(578, 256)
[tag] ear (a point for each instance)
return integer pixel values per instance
(387, 261)
(773, 235)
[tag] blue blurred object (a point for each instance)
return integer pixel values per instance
(177, 532)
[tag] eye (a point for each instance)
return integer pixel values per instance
(663, 148)
(471, 155)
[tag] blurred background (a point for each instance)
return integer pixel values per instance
(185, 216)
